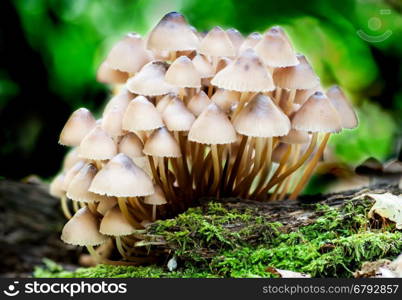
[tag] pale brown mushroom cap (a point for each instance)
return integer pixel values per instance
(198, 103)
(164, 101)
(172, 33)
(141, 114)
(143, 163)
(162, 144)
(97, 145)
(82, 230)
(203, 66)
(245, 74)
(300, 76)
(105, 204)
(121, 177)
(317, 115)
(217, 43)
(128, 54)
(106, 74)
(114, 223)
(250, 42)
(236, 38)
(302, 96)
(78, 188)
(262, 118)
(296, 137)
(275, 49)
(342, 105)
(112, 121)
(56, 186)
(177, 117)
(70, 174)
(182, 73)
(131, 145)
(225, 99)
(121, 99)
(212, 127)
(77, 127)
(71, 158)
(157, 198)
(150, 80)
(223, 62)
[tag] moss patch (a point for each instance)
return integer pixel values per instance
(219, 241)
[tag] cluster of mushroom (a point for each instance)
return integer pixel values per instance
(193, 114)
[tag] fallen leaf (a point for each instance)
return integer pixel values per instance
(388, 206)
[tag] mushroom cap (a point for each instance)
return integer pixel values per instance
(78, 188)
(302, 96)
(106, 74)
(250, 41)
(176, 116)
(172, 33)
(77, 127)
(56, 186)
(121, 99)
(164, 101)
(82, 230)
(245, 74)
(128, 54)
(198, 103)
(262, 118)
(317, 115)
(217, 43)
(203, 66)
(70, 174)
(143, 163)
(212, 127)
(121, 177)
(131, 145)
(235, 37)
(296, 137)
(162, 144)
(182, 73)
(300, 76)
(150, 80)
(105, 204)
(370, 167)
(157, 198)
(114, 223)
(97, 145)
(275, 49)
(141, 114)
(71, 158)
(112, 121)
(342, 105)
(226, 99)
(393, 167)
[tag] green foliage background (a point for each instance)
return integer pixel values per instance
(72, 37)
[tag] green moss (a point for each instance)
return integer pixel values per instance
(217, 241)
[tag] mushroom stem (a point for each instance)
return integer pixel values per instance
(267, 168)
(278, 95)
(92, 208)
(75, 205)
(153, 212)
(310, 168)
(288, 105)
(64, 207)
(236, 164)
(210, 90)
(119, 247)
(153, 170)
(165, 183)
(245, 163)
(216, 167)
(123, 207)
(288, 180)
(136, 203)
(293, 168)
(96, 256)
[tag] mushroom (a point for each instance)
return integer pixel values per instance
(198, 103)
(82, 230)
(76, 128)
(250, 41)
(156, 199)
